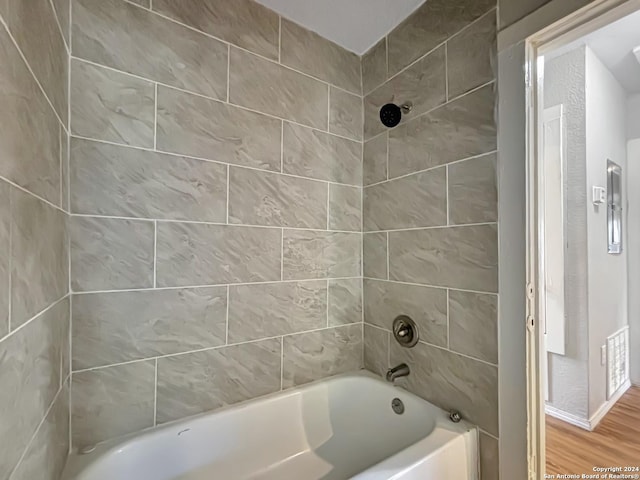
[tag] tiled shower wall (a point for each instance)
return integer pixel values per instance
(34, 267)
(430, 210)
(215, 197)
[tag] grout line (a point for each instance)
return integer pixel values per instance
(217, 347)
(10, 265)
(60, 29)
(282, 255)
(22, 189)
(386, 51)
(439, 287)
(226, 331)
(155, 254)
(448, 322)
(386, 146)
(329, 109)
(218, 162)
(281, 362)
(388, 257)
(282, 146)
(488, 434)
(446, 193)
(217, 100)
(434, 227)
(228, 199)
(155, 118)
(155, 395)
(327, 307)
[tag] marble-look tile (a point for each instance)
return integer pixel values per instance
(30, 133)
(195, 126)
(452, 382)
(146, 324)
(430, 25)
(419, 200)
(47, 454)
(142, 3)
(121, 181)
(200, 254)
(457, 130)
(471, 56)
(128, 38)
(345, 301)
(423, 84)
(308, 52)
(315, 355)
(473, 190)
(374, 159)
(315, 154)
(274, 309)
(109, 105)
(457, 257)
(345, 114)
(374, 66)
(110, 254)
(384, 301)
(374, 253)
(244, 23)
(320, 254)
(376, 349)
(201, 381)
(110, 402)
(30, 377)
(473, 325)
(62, 9)
(489, 457)
(345, 208)
(272, 199)
(33, 25)
(270, 88)
(39, 261)
(5, 264)
(65, 139)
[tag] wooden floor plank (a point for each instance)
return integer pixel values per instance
(614, 442)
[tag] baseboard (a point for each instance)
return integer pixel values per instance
(605, 407)
(567, 417)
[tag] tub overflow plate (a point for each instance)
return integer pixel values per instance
(398, 406)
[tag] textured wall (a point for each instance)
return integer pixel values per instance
(215, 179)
(430, 210)
(34, 268)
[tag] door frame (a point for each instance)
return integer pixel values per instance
(584, 21)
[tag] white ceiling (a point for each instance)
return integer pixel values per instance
(356, 25)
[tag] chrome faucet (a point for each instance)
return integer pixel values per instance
(401, 370)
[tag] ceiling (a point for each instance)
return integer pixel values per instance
(614, 46)
(356, 25)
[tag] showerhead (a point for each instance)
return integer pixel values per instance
(391, 114)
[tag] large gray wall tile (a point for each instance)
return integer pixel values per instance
(374, 160)
(471, 56)
(320, 254)
(473, 190)
(112, 106)
(345, 114)
(423, 84)
(244, 23)
(314, 355)
(121, 181)
(374, 255)
(33, 25)
(39, 260)
(489, 457)
(123, 326)
(192, 125)
(110, 402)
(64, 169)
(201, 381)
(419, 200)
(430, 25)
(30, 376)
(457, 130)
(376, 349)
(384, 301)
(374, 66)
(110, 254)
(62, 13)
(473, 324)
(199, 254)
(5, 246)
(310, 153)
(123, 36)
(458, 257)
(30, 134)
(345, 301)
(269, 310)
(270, 88)
(310, 53)
(272, 199)
(452, 382)
(345, 208)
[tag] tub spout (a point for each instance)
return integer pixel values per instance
(401, 370)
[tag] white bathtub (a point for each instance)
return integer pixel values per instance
(340, 428)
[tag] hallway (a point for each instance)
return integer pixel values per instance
(615, 442)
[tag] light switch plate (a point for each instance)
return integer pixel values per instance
(599, 195)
